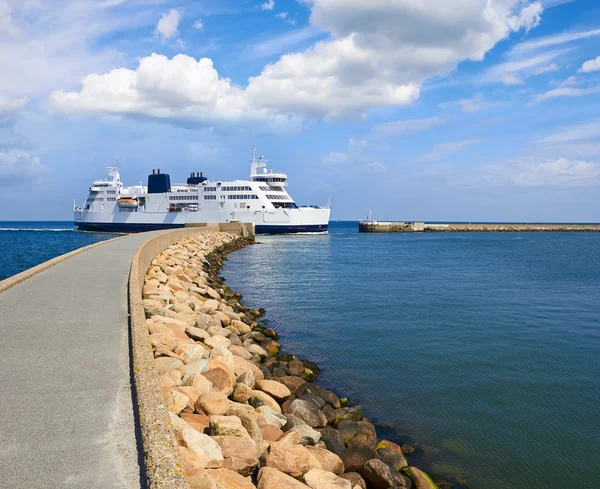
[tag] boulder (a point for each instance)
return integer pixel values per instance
(321, 479)
(197, 367)
(392, 458)
(293, 460)
(216, 341)
(382, 476)
(328, 396)
(164, 364)
(175, 401)
(259, 398)
(333, 441)
(200, 422)
(241, 393)
(355, 479)
(240, 351)
(357, 455)
(354, 413)
(249, 422)
(204, 321)
(204, 447)
(307, 412)
(227, 426)
(307, 435)
(190, 462)
(272, 417)
(295, 368)
(212, 403)
(171, 378)
(271, 433)
(227, 479)
(248, 379)
(242, 365)
(257, 350)
(200, 383)
(328, 460)
(197, 334)
(239, 453)
(276, 390)
(220, 380)
(270, 478)
(191, 393)
(224, 356)
(419, 478)
(354, 431)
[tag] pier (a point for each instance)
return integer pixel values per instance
(67, 409)
(421, 227)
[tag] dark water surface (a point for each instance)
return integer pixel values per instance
(26, 244)
(482, 348)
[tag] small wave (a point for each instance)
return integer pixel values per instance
(59, 230)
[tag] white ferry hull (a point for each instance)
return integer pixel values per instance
(282, 221)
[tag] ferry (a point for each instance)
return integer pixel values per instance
(262, 200)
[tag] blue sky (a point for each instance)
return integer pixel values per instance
(471, 110)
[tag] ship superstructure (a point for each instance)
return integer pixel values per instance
(262, 200)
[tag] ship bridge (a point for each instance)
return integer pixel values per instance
(260, 173)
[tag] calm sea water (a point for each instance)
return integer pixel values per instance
(26, 244)
(483, 349)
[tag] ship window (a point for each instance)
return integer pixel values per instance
(210, 197)
(242, 205)
(210, 189)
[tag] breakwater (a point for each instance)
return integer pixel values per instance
(245, 415)
(412, 227)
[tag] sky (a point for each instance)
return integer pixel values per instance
(470, 110)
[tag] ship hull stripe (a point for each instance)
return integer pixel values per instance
(142, 227)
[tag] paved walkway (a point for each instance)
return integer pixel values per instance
(66, 416)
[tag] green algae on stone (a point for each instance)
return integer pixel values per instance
(419, 478)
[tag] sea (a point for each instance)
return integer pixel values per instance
(482, 350)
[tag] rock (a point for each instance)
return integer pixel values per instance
(204, 447)
(257, 350)
(321, 479)
(272, 417)
(329, 413)
(292, 422)
(307, 412)
(198, 367)
(200, 383)
(316, 400)
(407, 449)
(240, 351)
(290, 459)
(197, 334)
(308, 436)
(270, 333)
(292, 383)
(259, 398)
(239, 453)
(355, 479)
(204, 321)
(270, 478)
(227, 426)
(381, 476)
(291, 438)
(241, 393)
(164, 364)
(219, 331)
(271, 433)
(220, 380)
(357, 455)
(242, 365)
(175, 401)
(209, 307)
(392, 457)
(248, 379)
(271, 346)
(191, 393)
(218, 341)
(325, 394)
(295, 368)
(212, 403)
(333, 441)
(250, 423)
(243, 328)
(224, 356)
(328, 460)
(200, 422)
(358, 430)
(276, 390)
(171, 378)
(227, 479)
(190, 462)
(419, 478)
(348, 413)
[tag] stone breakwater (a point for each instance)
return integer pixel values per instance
(515, 228)
(244, 415)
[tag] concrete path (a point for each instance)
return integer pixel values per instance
(66, 415)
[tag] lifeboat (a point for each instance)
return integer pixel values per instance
(128, 203)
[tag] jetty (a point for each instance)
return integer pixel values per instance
(422, 227)
(68, 408)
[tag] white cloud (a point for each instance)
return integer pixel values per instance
(511, 79)
(199, 25)
(574, 133)
(554, 40)
(17, 165)
(283, 42)
(168, 25)
(564, 92)
(269, 5)
(511, 71)
(569, 82)
(560, 172)
(378, 55)
(590, 66)
(447, 148)
(398, 128)
(474, 104)
(7, 28)
(546, 69)
(10, 106)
